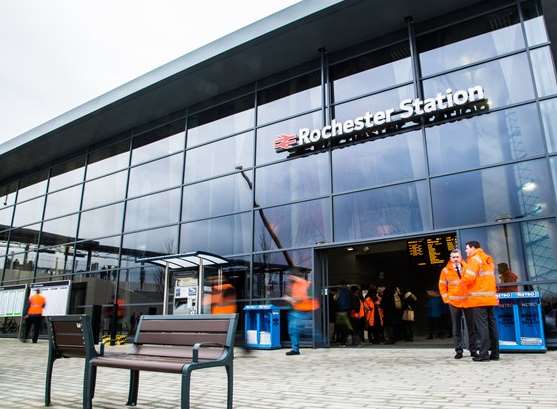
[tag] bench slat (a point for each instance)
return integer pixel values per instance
(171, 351)
(69, 339)
(185, 325)
(176, 338)
(66, 327)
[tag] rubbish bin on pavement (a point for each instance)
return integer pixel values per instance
(262, 326)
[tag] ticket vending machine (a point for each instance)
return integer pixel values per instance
(185, 295)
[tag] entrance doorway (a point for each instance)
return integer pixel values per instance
(411, 265)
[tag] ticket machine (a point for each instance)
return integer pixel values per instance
(185, 295)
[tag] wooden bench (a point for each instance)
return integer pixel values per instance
(175, 344)
(69, 336)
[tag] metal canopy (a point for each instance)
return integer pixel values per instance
(185, 260)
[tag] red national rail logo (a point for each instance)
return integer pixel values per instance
(285, 141)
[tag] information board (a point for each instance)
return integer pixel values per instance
(431, 251)
(57, 295)
(12, 300)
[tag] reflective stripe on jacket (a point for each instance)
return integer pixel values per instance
(36, 304)
(449, 285)
(479, 281)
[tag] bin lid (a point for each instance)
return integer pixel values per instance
(261, 307)
(185, 260)
(519, 295)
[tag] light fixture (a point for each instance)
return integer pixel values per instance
(350, 249)
(529, 187)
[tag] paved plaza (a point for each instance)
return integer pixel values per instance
(325, 378)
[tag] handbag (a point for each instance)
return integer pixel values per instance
(408, 315)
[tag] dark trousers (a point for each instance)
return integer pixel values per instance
(486, 331)
(459, 317)
(36, 322)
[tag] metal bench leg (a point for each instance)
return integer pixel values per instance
(88, 387)
(93, 380)
(230, 375)
(134, 388)
(185, 398)
(49, 366)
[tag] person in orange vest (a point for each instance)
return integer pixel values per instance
(507, 276)
(302, 310)
(223, 299)
(373, 316)
(34, 316)
(454, 295)
(480, 286)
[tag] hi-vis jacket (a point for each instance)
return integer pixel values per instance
(37, 303)
(301, 301)
(479, 281)
(370, 307)
(449, 285)
(223, 299)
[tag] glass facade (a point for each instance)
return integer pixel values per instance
(211, 179)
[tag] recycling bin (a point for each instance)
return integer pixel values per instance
(262, 326)
(520, 322)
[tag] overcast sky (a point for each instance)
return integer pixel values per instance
(58, 54)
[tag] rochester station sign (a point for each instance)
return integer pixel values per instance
(444, 106)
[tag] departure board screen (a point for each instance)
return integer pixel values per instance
(431, 251)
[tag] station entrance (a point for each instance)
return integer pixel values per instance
(405, 269)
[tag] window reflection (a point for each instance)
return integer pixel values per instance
(505, 81)
(220, 157)
(63, 202)
(219, 196)
(490, 195)
(105, 190)
(382, 212)
(158, 142)
(297, 179)
(266, 135)
(24, 238)
(156, 175)
(544, 71)
(372, 72)
(271, 270)
(539, 238)
(226, 119)
(154, 210)
(101, 222)
(6, 218)
(534, 23)
(55, 261)
(20, 266)
(492, 138)
(7, 194)
(381, 161)
(32, 186)
(150, 243)
(468, 42)
(300, 224)
(59, 231)
(66, 174)
(222, 235)
(28, 212)
(98, 255)
(289, 98)
(108, 159)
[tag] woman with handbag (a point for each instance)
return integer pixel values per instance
(408, 315)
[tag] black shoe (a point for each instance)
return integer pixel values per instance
(494, 357)
(293, 353)
(474, 354)
(458, 355)
(480, 359)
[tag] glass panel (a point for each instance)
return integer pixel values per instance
(382, 212)
(3, 245)
(29, 212)
(59, 231)
(471, 41)
(293, 180)
(534, 23)
(6, 218)
(222, 236)
(55, 261)
(300, 224)
(220, 157)
(108, 159)
(553, 165)
(66, 174)
(20, 266)
(549, 109)
(98, 255)
(7, 194)
(157, 175)
(289, 98)
(105, 190)
(489, 195)
(544, 71)
(372, 72)
(149, 243)
(32, 186)
(159, 142)
(220, 196)
(504, 244)
(271, 270)
(101, 222)
(539, 238)
(63, 202)
(266, 136)
(154, 210)
(24, 238)
(506, 81)
(548, 294)
(226, 119)
(488, 139)
(381, 161)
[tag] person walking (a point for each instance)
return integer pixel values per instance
(301, 313)
(480, 286)
(343, 305)
(454, 295)
(34, 316)
(408, 315)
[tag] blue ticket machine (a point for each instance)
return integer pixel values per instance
(262, 326)
(520, 322)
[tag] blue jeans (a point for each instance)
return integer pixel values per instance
(297, 324)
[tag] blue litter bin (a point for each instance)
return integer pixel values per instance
(262, 326)
(520, 322)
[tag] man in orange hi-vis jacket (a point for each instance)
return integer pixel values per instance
(455, 295)
(481, 288)
(34, 316)
(223, 299)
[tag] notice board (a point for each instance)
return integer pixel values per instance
(57, 295)
(12, 300)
